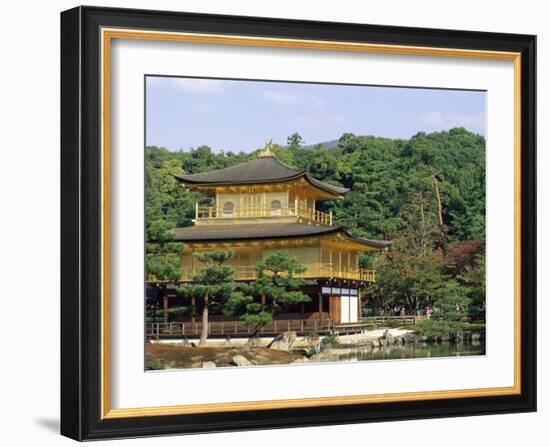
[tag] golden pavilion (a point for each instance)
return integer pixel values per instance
(262, 206)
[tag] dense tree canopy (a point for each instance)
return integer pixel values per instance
(426, 193)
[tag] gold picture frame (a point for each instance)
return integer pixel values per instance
(517, 49)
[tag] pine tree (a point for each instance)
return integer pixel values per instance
(212, 285)
(473, 280)
(295, 141)
(276, 287)
(451, 307)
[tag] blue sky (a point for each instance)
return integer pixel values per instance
(238, 116)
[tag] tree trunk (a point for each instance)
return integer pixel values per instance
(204, 331)
(165, 308)
(423, 226)
(193, 309)
(442, 226)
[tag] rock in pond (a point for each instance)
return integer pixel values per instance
(284, 341)
(321, 357)
(314, 341)
(241, 360)
(302, 360)
(208, 365)
(253, 342)
(389, 338)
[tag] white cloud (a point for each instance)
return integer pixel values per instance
(319, 119)
(436, 120)
(475, 121)
(317, 102)
(282, 97)
(311, 110)
(211, 86)
(432, 119)
(310, 101)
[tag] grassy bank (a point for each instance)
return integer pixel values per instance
(172, 356)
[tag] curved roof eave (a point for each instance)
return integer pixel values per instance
(263, 170)
(333, 189)
(187, 180)
(326, 187)
(371, 242)
(233, 233)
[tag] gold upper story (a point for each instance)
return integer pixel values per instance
(262, 190)
(261, 205)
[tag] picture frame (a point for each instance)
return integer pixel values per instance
(87, 34)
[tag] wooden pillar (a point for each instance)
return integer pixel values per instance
(302, 305)
(320, 260)
(165, 308)
(263, 300)
(359, 306)
(320, 306)
(193, 309)
(336, 309)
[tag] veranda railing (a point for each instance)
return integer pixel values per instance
(205, 213)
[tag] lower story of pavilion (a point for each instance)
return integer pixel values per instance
(331, 303)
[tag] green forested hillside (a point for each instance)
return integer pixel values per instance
(426, 194)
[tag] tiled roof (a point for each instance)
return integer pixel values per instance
(258, 170)
(242, 232)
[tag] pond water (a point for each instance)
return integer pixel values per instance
(404, 352)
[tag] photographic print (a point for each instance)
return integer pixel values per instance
(296, 223)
